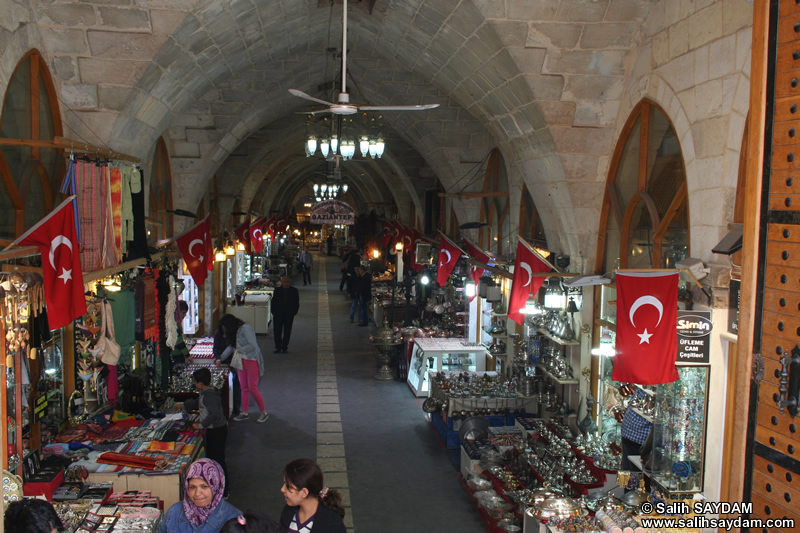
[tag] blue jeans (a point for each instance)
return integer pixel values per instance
(354, 306)
(363, 313)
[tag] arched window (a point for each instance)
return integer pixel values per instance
(645, 216)
(495, 237)
(530, 226)
(160, 220)
(31, 175)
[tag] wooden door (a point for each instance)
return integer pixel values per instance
(772, 467)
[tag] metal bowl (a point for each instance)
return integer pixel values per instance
(555, 507)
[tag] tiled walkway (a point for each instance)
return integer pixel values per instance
(371, 437)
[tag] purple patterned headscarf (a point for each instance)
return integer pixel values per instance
(211, 472)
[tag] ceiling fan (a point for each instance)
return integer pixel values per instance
(343, 106)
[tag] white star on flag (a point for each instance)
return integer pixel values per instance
(645, 337)
(66, 275)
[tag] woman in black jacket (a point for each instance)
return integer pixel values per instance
(310, 506)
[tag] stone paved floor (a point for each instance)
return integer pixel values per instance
(371, 437)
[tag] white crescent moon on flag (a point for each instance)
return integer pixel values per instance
(646, 300)
(191, 245)
(55, 243)
(449, 257)
(396, 232)
(409, 241)
(259, 233)
(527, 268)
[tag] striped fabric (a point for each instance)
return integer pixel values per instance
(110, 255)
(116, 208)
(90, 189)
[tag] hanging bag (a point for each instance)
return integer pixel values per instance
(106, 348)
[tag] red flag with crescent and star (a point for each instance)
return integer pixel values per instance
(479, 255)
(387, 230)
(524, 283)
(243, 234)
(449, 255)
(257, 235)
(57, 240)
(194, 246)
(647, 322)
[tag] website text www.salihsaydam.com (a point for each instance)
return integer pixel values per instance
(723, 523)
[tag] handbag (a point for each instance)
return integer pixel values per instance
(236, 360)
(106, 348)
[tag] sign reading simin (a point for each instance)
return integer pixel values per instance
(694, 330)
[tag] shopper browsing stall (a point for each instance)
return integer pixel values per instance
(212, 418)
(310, 505)
(247, 360)
(203, 509)
(220, 344)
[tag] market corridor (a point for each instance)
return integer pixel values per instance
(370, 437)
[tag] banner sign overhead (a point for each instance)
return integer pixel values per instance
(333, 212)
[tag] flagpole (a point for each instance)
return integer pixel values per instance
(42, 221)
(191, 229)
(451, 242)
(668, 270)
(534, 252)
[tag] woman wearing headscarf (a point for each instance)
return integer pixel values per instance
(203, 509)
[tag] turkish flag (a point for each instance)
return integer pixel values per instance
(449, 255)
(387, 230)
(647, 322)
(243, 234)
(56, 237)
(257, 235)
(194, 246)
(407, 238)
(524, 283)
(280, 223)
(269, 227)
(209, 248)
(479, 255)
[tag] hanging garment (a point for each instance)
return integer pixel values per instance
(138, 246)
(90, 189)
(110, 255)
(115, 191)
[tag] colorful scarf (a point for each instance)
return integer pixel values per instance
(211, 472)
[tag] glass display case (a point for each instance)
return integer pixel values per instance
(679, 431)
(49, 401)
(191, 295)
(442, 355)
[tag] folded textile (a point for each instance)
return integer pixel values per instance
(133, 461)
(158, 446)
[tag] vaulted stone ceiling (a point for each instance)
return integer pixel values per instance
(540, 79)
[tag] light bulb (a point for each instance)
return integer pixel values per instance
(363, 145)
(334, 143)
(373, 149)
(380, 147)
(344, 188)
(316, 188)
(311, 144)
(324, 147)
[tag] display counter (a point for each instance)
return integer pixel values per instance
(459, 403)
(255, 310)
(148, 441)
(439, 354)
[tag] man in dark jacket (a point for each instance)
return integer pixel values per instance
(364, 288)
(285, 304)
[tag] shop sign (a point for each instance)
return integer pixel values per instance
(694, 335)
(333, 212)
(734, 299)
(39, 406)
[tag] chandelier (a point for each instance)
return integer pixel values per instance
(342, 135)
(327, 191)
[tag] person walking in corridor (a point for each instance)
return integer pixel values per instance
(306, 262)
(285, 304)
(364, 288)
(247, 360)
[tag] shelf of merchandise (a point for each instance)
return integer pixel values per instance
(555, 339)
(560, 381)
(639, 412)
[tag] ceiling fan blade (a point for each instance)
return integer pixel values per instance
(397, 107)
(301, 94)
(313, 112)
